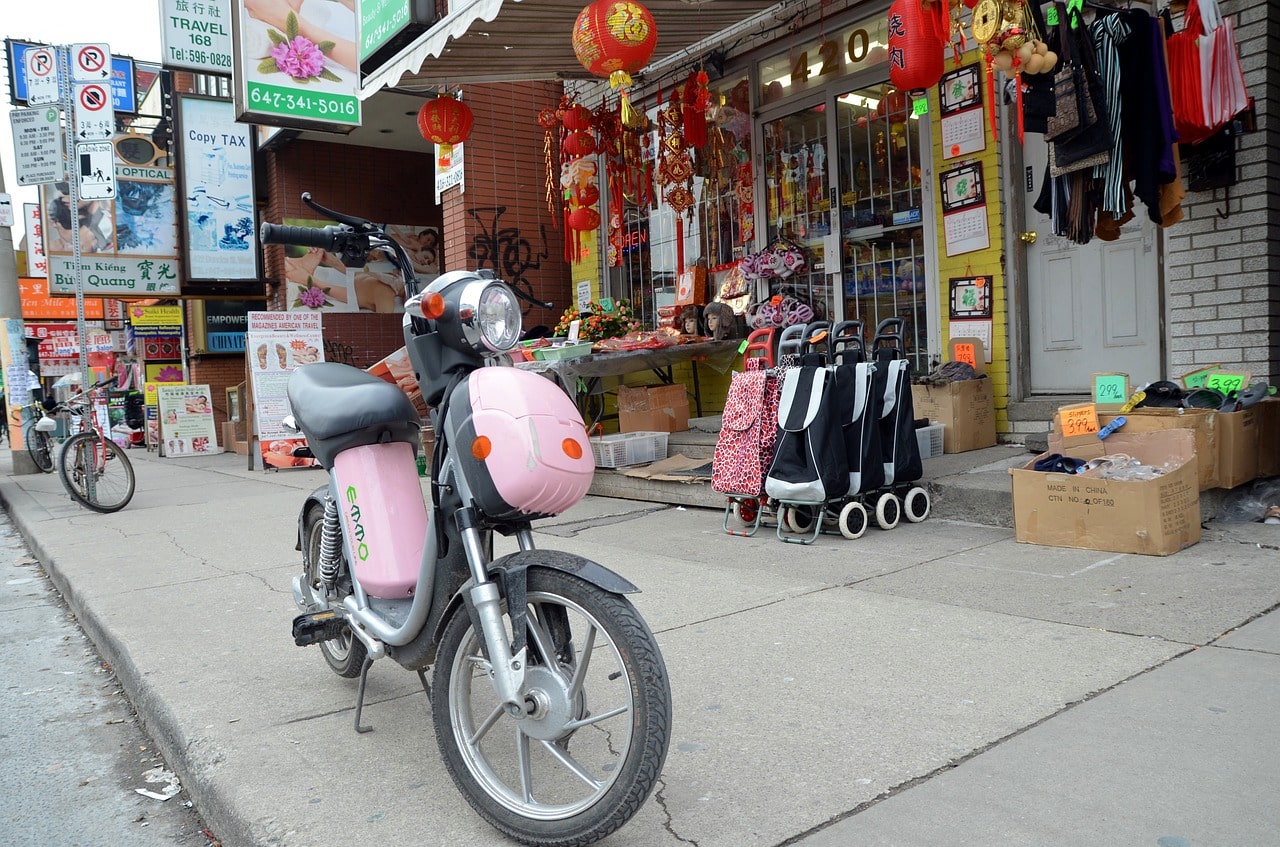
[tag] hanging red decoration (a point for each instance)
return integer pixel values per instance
(915, 53)
(696, 98)
(587, 195)
(583, 219)
(614, 39)
(578, 144)
(577, 118)
(445, 120)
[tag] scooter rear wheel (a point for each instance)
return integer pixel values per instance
(591, 744)
(346, 653)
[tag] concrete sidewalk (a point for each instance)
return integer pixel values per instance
(935, 684)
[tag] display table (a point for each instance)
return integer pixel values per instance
(581, 377)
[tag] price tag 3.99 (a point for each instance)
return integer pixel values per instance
(1078, 420)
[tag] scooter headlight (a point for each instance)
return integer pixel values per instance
(489, 316)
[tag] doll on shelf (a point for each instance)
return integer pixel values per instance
(721, 323)
(689, 321)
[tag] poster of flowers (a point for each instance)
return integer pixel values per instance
(317, 281)
(297, 63)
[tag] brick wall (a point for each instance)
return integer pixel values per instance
(1222, 263)
(501, 221)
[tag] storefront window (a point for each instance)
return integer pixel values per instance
(881, 208)
(718, 230)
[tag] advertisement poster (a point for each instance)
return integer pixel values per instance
(296, 64)
(186, 420)
(17, 380)
(217, 180)
(278, 343)
(317, 281)
(37, 265)
(129, 245)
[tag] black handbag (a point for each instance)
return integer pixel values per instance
(1090, 143)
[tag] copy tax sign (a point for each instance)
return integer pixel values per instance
(37, 144)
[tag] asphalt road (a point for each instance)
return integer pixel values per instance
(74, 751)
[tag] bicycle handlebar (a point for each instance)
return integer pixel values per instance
(326, 238)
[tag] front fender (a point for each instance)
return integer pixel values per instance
(315, 498)
(510, 571)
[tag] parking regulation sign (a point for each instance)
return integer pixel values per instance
(37, 145)
(42, 76)
(90, 63)
(95, 119)
(95, 170)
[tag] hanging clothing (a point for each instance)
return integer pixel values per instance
(1109, 32)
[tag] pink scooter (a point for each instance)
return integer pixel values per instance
(549, 694)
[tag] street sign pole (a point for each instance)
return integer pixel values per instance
(73, 191)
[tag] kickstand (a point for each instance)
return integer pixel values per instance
(364, 675)
(422, 677)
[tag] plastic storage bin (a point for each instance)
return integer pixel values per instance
(930, 440)
(629, 448)
(560, 352)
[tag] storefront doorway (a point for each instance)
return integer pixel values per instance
(1092, 308)
(873, 266)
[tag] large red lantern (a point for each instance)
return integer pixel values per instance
(579, 144)
(584, 218)
(614, 39)
(445, 120)
(915, 54)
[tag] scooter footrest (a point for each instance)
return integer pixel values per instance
(314, 627)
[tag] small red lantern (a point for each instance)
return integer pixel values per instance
(586, 195)
(579, 144)
(577, 118)
(445, 120)
(614, 39)
(915, 54)
(584, 218)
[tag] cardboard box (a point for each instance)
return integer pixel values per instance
(1269, 437)
(653, 408)
(966, 410)
(1155, 516)
(1237, 447)
(1202, 423)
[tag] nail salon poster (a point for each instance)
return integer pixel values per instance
(186, 421)
(277, 343)
(217, 191)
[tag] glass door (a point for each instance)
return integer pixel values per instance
(882, 204)
(797, 202)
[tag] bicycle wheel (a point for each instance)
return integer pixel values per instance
(40, 447)
(88, 460)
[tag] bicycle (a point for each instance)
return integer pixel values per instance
(94, 469)
(45, 432)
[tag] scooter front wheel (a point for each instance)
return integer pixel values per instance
(591, 742)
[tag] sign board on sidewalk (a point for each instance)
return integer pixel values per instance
(278, 343)
(41, 64)
(91, 103)
(37, 144)
(95, 170)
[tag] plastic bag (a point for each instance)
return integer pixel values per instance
(1250, 503)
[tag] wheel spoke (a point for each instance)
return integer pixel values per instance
(562, 756)
(526, 768)
(584, 661)
(594, 719)
(543, 641)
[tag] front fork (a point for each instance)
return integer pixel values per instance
(507, 655)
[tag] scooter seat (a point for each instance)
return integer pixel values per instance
(338, 406)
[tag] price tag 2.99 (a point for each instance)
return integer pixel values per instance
(1110, 389)
(1078, 420)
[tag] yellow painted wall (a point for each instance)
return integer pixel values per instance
(988, 262)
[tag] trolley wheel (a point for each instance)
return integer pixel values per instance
(888, 511)
(800, 519)
(916, 504)
(747, 509)
(853, 520)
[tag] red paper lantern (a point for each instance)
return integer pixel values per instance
(614, 39)
(577, 118)
(445, 120)
(915, 54)
(586, 195)
(584, 218)
(579, 144)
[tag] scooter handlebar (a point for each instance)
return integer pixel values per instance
(325, 238)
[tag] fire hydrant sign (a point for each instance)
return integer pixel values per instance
(37, 144)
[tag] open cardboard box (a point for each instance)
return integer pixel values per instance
(1239, 437)
(966, 409)
(653, 408)
(1269, 437)
(1157, 516)
(1201, 423)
